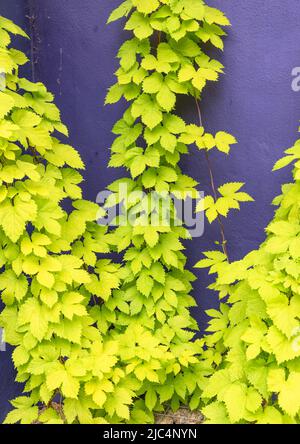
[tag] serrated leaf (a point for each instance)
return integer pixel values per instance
(121, 11)
(150, 399)
(224, 141)
(166, 98)
(144, 284)
(6, 104)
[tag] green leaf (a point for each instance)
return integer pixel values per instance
(158, 272)
(216, 413)
(22, 415)
(140, 25)
(146, 7)
(13, 218)
(20, 356)
(150, 399)
(167, 174)
(166, 53)
(144, 284)
(149, 178)
(32, 313)
(166, 98)
(6, 104)
(224, 141)
(289, 399)
(26, 119)
(174, 124)
(186, 73)
(60, 378)
(151, 236)
(276, 379)
(188, 47)
(11, 27)
(46, 279)
(13, 285)
(121, 11)
(281, 163)
(235, 398)
(114, 94)
(153, 83)
(194, 9)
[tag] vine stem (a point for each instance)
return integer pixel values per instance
(31, 16)
(213, 187)
(158, 37)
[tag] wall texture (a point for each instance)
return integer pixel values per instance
(254, 101)
(17, 11)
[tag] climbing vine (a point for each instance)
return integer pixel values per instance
(255, 339)
(162, 60)
(47, 255)
(96, 341)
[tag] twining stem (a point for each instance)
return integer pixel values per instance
(213, 187)
(31, 16)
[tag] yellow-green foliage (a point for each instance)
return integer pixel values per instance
(111, 343)
(255, 340)
(46, 252)
(162, 60)
(102, 354)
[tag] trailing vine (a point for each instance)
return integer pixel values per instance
(47, 256)
(163, 59)
(255, 340)
(96, 341)
(34, 36)
(214, 190)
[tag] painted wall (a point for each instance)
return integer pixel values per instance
(254, 101)
(17, 11)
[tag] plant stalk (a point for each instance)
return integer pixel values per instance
(213, 187)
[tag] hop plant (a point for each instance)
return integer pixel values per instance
(62, 307)
(254, 341)
(162, 59)
(45, 251)
(96, 341)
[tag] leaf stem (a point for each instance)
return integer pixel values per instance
(213, 187)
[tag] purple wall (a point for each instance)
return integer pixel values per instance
(254, 101)
(15, 10)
